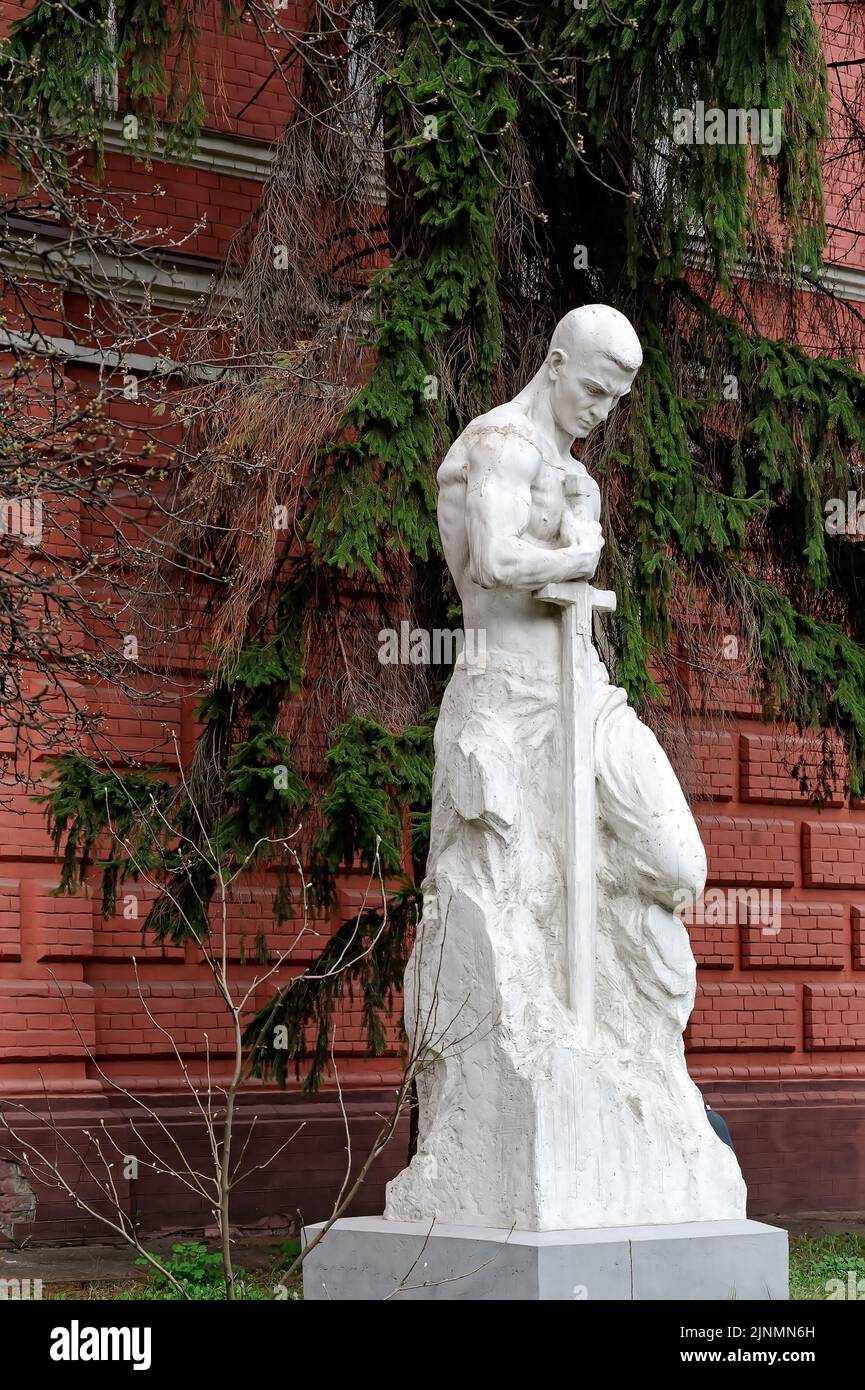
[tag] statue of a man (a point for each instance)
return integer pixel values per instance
(521, 1121)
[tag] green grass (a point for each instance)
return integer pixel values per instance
(199, 1273)
(815, 1260)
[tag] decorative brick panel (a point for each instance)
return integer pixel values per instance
(250, 910)
(713, 934)
(36, 1019)
(833, 854)
(835, 1017)
(714, 774)
(714, 946)
(129, 1024)
(811, 936)
(62, 926)
(10, 919)
(857, 922)
(26, 835)
(750, 850)
(781, 769)
(743, 1017)
(249, 913)
(726, 687)
(128, 727)
(122, 936)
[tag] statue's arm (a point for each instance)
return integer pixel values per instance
(501, 470)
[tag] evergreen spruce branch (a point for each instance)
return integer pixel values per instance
(798, 427)
(81, 804)
(53, 55)
(645, 60)
(244, 783)
(374, 777)
(367, 956)
(678, 513)
(377, 491)
(813, 672)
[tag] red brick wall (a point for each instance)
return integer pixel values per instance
(777, 1038)
(71, 1010)
(778, 936)
(242, 93)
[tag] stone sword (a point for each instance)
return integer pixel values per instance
(578, 600)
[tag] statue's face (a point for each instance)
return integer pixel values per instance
(585, 388)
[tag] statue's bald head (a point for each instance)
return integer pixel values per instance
(593, 357)
(602, 330)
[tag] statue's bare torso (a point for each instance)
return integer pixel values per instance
(505, 534)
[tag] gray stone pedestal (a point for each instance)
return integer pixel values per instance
(368, 1258)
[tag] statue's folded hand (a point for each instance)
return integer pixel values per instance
(585, 540)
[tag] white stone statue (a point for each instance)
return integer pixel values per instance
(550, 975)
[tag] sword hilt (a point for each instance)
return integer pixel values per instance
(581, 598)
(580, 494)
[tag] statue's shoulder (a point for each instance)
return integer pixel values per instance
(499, 432)
(504, 423)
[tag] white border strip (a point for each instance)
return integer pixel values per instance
(221, 154)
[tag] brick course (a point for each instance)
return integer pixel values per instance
(745, 1017)
(835, 1016)
(779, 768)
(749, 849)
(833, 853)
(810, 936)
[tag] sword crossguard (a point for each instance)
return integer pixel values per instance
(578, 592)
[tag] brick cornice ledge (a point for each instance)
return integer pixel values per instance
(235, 155)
